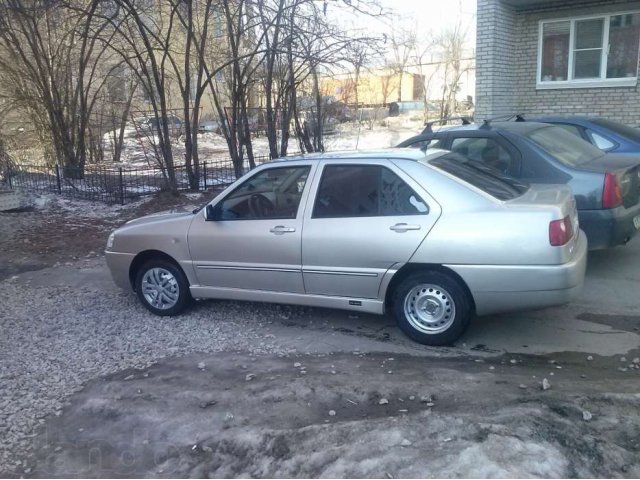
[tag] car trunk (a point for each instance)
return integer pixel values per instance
(559, 196)
(627, 171)
(548, 195)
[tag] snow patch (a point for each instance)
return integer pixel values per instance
(506, 457)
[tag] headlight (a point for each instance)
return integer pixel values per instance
(110, 241)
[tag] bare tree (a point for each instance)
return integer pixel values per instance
(145, 34)
(301, 43)
(322, 46)
(358, 55)
(52, 62)
(422, 57)
(403, 43)
(243, 54)
(117, 104)
(452, 43)
(58, 59)
(386, 86)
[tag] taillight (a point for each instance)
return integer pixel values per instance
(560, 231)
(611, 195)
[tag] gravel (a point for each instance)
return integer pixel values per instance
(54, 339)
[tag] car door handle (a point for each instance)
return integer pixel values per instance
(403, 227)
(280, 229)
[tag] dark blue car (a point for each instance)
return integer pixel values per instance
(606, 186)
(607, 135)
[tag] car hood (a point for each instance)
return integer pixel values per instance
(165, 216)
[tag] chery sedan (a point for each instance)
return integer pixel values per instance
(432, 238)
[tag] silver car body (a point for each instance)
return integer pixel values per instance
(499, 249)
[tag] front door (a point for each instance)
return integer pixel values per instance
(255, 241)
(365, 218)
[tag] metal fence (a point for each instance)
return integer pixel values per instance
(112, 184)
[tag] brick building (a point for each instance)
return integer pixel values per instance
(558, 57)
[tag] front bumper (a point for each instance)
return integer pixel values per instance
(119, 265)
(503, 288)
(608, 228)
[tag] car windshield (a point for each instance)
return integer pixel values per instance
(565, 147)
(484, 177)
(619, 128)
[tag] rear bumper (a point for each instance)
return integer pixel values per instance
(608, 228)
(503, 288)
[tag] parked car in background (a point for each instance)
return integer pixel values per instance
(607, 135)
(433, 239)
(606, 185)
(149, 125)
(210, 126)
(309, 119)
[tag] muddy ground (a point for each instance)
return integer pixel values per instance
(307, 392)
(51, 230)
(347, 415)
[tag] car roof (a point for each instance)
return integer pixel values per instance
(521, 128)
(566, 118)
(387, 153)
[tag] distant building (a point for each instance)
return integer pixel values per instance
(383, 86)
(378, 87)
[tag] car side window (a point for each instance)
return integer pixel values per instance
(274, 193)
(431, 143)
(485, 150)
(600, 141)
(364, 191)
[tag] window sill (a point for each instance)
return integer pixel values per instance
(610, 83)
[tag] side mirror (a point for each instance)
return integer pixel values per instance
(212, 213)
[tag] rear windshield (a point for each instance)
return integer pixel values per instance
(484, 177)
(565, 147)
(619, 128)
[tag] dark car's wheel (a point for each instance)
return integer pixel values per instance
(432, 307)
(162, 287)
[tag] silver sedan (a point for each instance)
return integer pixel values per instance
(432, 238)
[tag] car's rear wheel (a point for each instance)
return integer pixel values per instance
(162, 287)
(432, 307)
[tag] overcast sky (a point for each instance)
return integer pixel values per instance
(428, 17)
(434, 14)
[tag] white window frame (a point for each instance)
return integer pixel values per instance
(588, 82)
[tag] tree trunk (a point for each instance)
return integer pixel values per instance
(319, 126)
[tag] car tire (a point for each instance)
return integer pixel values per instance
(432, 307)
(162, 287)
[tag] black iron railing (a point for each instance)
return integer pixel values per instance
(119, 184)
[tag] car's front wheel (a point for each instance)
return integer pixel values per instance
(162, 287)
(432, 307)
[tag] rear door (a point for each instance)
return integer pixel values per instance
(362, 218)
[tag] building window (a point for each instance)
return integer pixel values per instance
(555, 51)
(589, 52)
